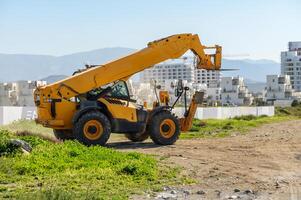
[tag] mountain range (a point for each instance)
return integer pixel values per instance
(36, 67)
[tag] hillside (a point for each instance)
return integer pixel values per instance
(32, 67)
(255, 70)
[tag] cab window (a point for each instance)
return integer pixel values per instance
(119, 91)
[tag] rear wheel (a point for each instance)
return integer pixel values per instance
(63, 134)
(164, 128)
(137, 137)
(92, 128)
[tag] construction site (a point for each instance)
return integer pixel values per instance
(173, 119)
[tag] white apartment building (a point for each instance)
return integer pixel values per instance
(291, 64)
(206, 76)
(179, 69)
(234, 92)
(278, 87)
(169, 70)
(4, 94)
(18, 93)
(213, 92)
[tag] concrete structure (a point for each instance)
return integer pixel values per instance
(8, 114)
(179, 69)
(18, 93)
(291, 64)
(278, 87)
(279, 91)
(206, 76)
(170, 70)
(234, 92)
(213, 93)
(228, 112)
(4, 94)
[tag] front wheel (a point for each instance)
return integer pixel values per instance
(164, 128)
(92, 128)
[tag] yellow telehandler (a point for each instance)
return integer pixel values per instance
(95, 101)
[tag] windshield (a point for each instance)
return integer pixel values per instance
(119, 91)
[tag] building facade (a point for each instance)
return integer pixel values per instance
(18, 93)
(278, 87)
(213, 93)
(179, 69)
(173, 69)
(203, 76)
(291, 64)
(4, 94)
(234, 92)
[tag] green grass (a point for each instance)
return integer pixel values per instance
(289, 111)
(239, 125)
(222, 128)
(29, 127)
(70, 170)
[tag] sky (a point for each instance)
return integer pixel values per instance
(254, 29)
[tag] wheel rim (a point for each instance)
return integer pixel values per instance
(93, 129)
(167, 128)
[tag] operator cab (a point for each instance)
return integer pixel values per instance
(118, 90)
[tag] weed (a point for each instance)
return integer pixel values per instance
(7, 148)
(245, 117)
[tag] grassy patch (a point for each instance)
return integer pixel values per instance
(29, 127)
(70, 170)
(289, 111)
(225, 127)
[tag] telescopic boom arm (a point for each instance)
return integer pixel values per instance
(157, 51)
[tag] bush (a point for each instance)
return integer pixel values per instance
(227, 126)
(245, 117)
(295, 103)
(7, 148)
(203, 123)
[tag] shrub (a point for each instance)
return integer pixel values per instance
(227, 126)
(284, 111)
(245, 117)
(7, 148)
(295, 103)
(202, 124)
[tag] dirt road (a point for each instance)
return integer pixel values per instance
(265, 163)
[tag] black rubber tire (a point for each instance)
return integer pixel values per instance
(63, 134)
(154, 128)
(137, 137)
(79, 126)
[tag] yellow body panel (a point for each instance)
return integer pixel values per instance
(64, 113)
(125, 111)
